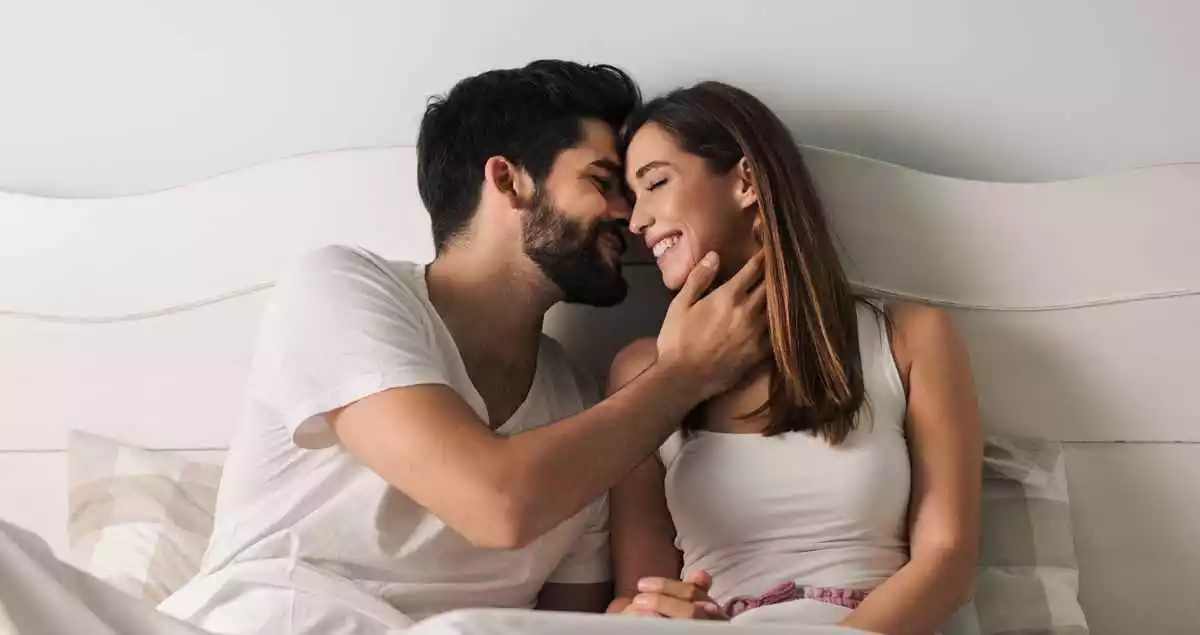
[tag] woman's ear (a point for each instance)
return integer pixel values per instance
(745, 191)
(509, 181)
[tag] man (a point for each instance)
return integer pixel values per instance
(413, 443)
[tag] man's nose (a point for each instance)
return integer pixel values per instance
(619, 209)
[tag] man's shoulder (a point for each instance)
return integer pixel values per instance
(338, 270)
(341, 259)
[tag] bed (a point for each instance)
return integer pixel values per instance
(1079, 300)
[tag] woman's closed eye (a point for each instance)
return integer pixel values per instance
(654, 185)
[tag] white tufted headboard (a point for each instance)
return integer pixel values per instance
(1079, 300)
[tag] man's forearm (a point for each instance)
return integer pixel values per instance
(560, 468)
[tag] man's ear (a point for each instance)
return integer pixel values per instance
(745, 191)
(509, 181)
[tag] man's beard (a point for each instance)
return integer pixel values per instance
(569, 254)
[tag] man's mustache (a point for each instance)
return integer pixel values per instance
(615, 228)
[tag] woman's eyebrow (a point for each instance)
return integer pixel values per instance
(649, 166)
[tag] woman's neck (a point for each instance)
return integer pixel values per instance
(727, 412)
(733, 257)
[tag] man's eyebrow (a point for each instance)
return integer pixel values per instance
(606, 164)
(649, 166)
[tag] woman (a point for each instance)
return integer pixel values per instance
(840, 483)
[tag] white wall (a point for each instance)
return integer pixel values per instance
(102, 98)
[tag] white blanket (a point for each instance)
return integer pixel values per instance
(41, 595)
(517, 622)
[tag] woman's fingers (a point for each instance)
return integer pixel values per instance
(642, 611)
(679, 599)
(699, 578)
(671, 607)
(672, 588)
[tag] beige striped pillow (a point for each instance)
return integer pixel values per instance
(1028, 581)
(139, 520)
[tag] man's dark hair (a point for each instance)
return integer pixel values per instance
(526, 115)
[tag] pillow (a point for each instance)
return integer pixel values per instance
(1028, 582)
(139, 520)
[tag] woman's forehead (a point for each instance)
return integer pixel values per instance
(651, 147)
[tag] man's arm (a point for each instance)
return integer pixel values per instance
(502, 491)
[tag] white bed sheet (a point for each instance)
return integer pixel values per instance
(41, 595)
(515, 622)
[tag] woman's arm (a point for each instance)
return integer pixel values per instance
(642, 533)
(646, 563)
(945, 450)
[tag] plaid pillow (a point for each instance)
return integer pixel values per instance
(139, 520)
(1028, 580)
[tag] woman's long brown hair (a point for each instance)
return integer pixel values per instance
(817, 383)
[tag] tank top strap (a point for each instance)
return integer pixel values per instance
(880, 372)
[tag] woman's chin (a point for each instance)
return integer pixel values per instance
(673, 280)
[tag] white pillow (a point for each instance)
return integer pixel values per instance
(1028, 578)
(139, 520)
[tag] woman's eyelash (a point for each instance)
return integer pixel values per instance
(655, 185)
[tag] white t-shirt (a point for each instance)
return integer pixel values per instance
(306, 538)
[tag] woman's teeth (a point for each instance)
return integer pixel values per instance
(663, 245)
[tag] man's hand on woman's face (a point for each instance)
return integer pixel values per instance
(717, 338)
(678, 599)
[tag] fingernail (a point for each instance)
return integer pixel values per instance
(648, 584)
(710, 259)
(641, 600)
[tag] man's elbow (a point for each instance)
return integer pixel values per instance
(503, 533)
(506, 521)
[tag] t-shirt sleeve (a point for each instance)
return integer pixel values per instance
(589, 561)
(339, 328)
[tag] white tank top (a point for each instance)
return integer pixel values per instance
(757, 511)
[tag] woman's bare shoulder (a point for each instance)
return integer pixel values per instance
(633, 360)
(916, 330)
(920, 325)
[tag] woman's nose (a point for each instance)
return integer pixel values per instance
(639, 220)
